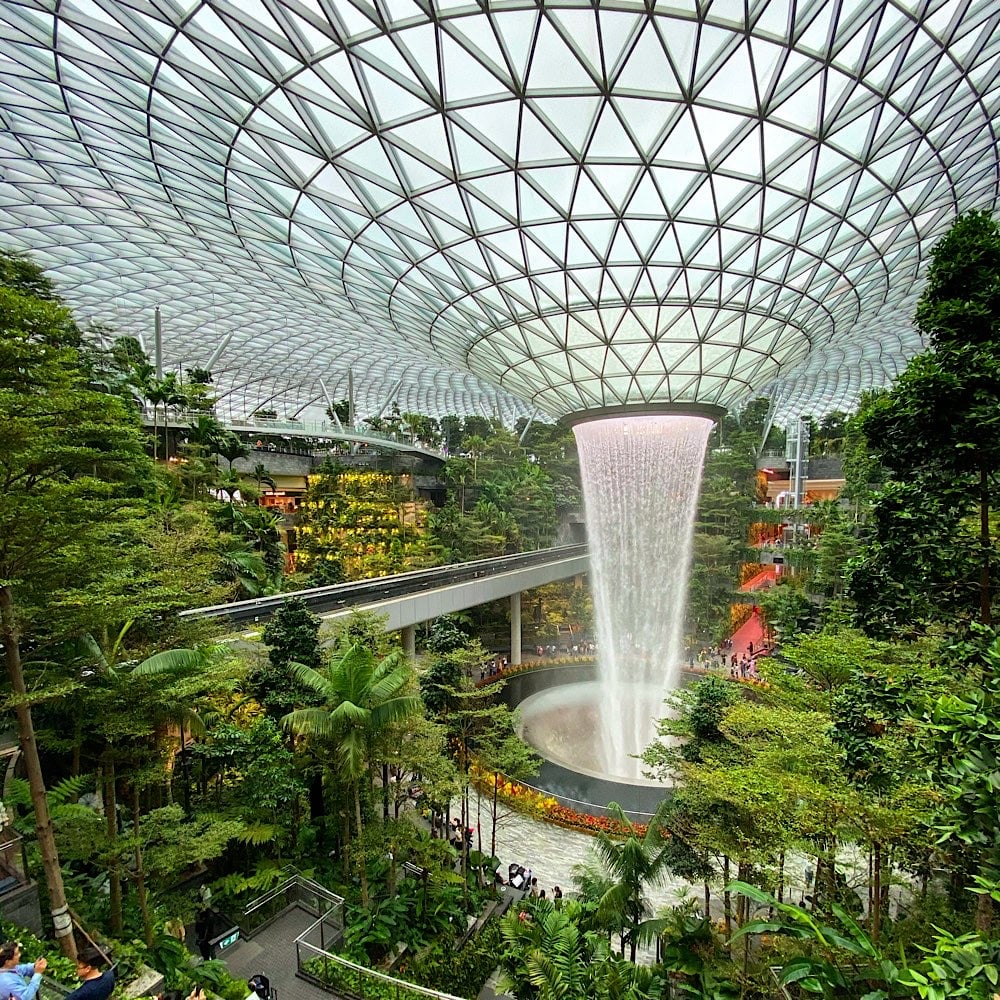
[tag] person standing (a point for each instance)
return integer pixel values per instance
(19, 981)
(95, 985)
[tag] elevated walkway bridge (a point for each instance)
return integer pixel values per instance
(408, 599)
(358, 435)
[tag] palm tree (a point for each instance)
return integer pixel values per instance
(205, 430)
(241, 565)
(545, 955)
(231, 447)
(629, 865)
(262, 474)
(166, 391)
(362, 698)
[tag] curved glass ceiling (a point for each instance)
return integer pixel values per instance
(501, 206)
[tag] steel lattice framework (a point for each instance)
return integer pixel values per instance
(506, 205)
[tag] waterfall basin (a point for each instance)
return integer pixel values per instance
(565, 724)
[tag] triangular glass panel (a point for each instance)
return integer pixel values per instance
(447, 203)
(644, 119)
(427, 138)
(497, 189)
(801, 107)
(390, 99)
(531, 206)
(330, 183)
(570, 117)
(419, 174)
(775, 19)
(615, 180)
(648, 61)
(646, 199)
(516, 31)
(537, 144)
(472, 156)
(597, 233)
(558, 184)
(681, 145)
(610, 140)
(578, 29)
(700, 204)
(733, 84)
(465, 78)
(476, 32)
(679, 38)
(815, 37)
(617, 30)
(553, 64)
(588, 279)
(497, 123)
(588, 199)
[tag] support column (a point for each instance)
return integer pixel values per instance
(158, 342)
(409, 635)
(515, 628)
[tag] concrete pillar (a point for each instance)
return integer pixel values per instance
(515, 628)
(409, 635)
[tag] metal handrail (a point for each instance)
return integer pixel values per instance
(363, 973)
(296, 890)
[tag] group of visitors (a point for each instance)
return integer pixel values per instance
(709, 657)
(493, 668)
(521, 878)
(743, 667)
(22, 980)
(458, 838)
(576, 649)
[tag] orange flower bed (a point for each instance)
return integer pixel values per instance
(534, 803)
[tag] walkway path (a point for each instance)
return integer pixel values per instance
(752, 630)
(272, 952)
(761, 581)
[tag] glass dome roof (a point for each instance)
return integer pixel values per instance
(501, 207)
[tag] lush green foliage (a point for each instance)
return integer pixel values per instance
(361, 523)
(936, 432)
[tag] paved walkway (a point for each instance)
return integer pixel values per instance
(272, 952)
(752, 630)
(767, 577)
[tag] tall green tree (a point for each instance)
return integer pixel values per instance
(71, 462)
(937, 432)
(362, 697)
(291, 636)
(961, 737)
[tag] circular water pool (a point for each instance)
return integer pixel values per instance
(562, 712)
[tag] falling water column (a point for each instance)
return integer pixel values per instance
(641, 476)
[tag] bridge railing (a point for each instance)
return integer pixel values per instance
(297, 428)
(386, 587)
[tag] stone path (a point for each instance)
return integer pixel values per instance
(272, 952)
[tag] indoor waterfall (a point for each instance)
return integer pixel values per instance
(640, 476)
